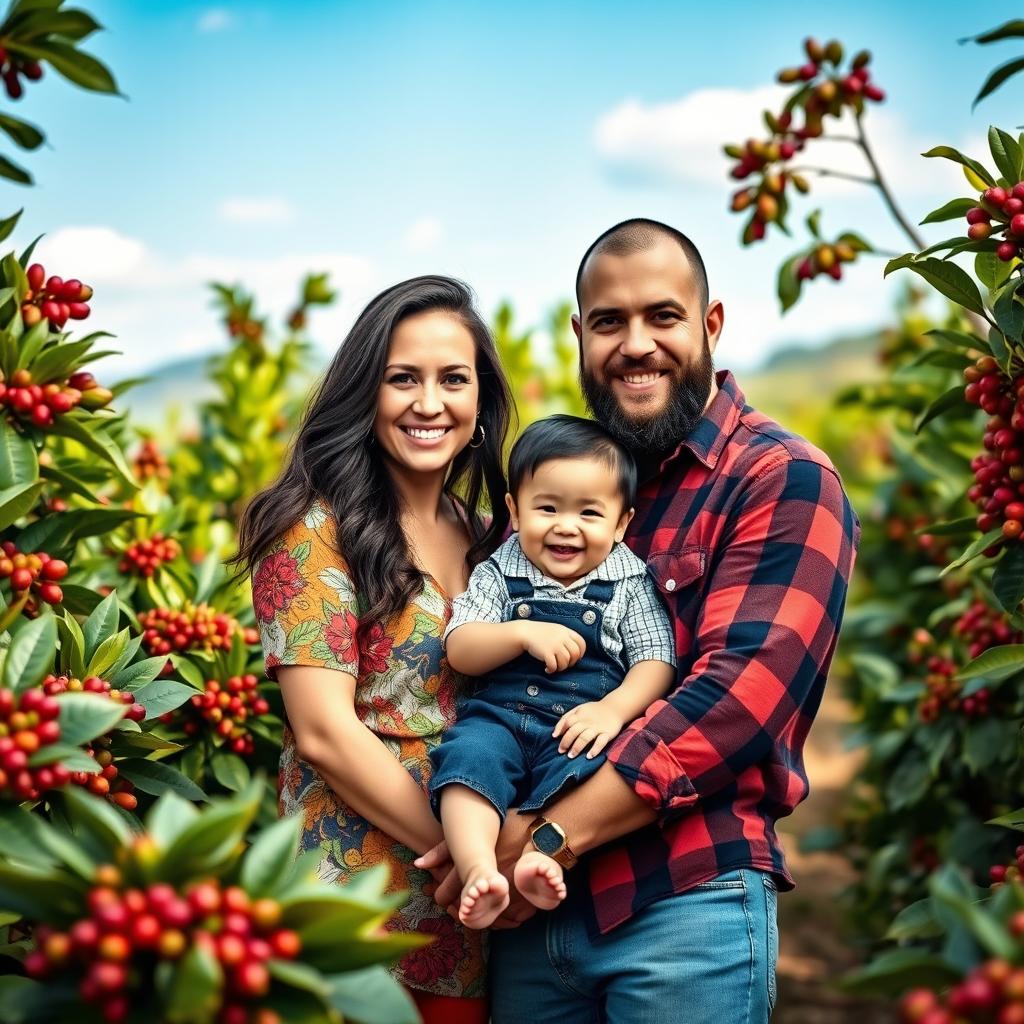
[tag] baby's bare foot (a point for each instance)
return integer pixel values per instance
(484, 897)
(539, 879)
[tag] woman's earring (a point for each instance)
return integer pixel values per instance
(483, 437)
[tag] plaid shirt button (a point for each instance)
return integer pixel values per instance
(670, 584)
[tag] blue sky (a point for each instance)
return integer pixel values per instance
(488, 141)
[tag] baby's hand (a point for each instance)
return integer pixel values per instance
(592, 725)
(557, 646)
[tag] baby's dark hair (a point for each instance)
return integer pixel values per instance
(570, 437)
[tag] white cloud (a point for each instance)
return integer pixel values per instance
(216, 19)
(680, 142)
(256, 210)
(159, 306)
(423, 234)
(108, 255)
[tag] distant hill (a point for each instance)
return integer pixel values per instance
(790, 378)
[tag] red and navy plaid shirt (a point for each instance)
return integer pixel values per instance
(751, 540)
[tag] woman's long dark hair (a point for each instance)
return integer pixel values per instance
(333, 456)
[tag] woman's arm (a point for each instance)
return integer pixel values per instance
(320, 703)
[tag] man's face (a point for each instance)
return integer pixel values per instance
(645, 345)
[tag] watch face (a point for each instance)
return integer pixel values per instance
(548, 839)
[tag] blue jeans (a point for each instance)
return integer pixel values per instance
(704, 956)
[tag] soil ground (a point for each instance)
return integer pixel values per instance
(812, 952)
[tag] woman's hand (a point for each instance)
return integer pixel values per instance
(592, 725)
(437, 860)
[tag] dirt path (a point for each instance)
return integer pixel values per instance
(812, 953)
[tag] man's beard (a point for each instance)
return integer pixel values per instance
(660, 431)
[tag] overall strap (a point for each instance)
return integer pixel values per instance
(519, 588)
(600, 591)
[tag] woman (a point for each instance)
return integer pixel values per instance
(356, 552)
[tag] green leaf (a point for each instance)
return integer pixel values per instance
(1008, 30)
(914, 922)
(974, 549)
(991, 270)
(84, 716)
(1008, 579)
(57, 360)
(1009, 312)
(230, 771)
(951, 399)
(997, 78)
(169, 817)
(11, 171)
(43, 894)
(899, 263)
(948, 153)
(269, 860)
(371, 994)
(300, 976)
(73, 758)
(899, 969)
(31, 654)
(211, 838)
(77, 67)
(26, 135)
(18, 461)
(1014, 820)
(995, 663)
(949, 891)
(17, 500)
(8, 224)
(195, 991)
(107, 654)
(100, 624)
(1006, 153)
(953, 528)
(952, 281)
(157, 778)
(94, 817)
(188, 671)
(98, 442)
(210, 576)
(953, 210)
(72, 644)
(160, 695)
(788, 285)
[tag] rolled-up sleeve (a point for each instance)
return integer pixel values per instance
(646, 628)
(763, 641)
(483, 600)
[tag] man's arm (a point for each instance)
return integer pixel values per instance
(764, 637)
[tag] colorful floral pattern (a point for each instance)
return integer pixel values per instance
(307, 613)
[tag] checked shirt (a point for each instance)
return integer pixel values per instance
(751, 539)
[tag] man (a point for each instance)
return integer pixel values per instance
(751, 539)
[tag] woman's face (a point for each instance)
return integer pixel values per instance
(428, 398)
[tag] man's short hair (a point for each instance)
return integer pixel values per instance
(638, 235)
(570, 437)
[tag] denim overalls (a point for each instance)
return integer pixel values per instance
(501, 745)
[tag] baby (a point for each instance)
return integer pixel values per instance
(574, 642)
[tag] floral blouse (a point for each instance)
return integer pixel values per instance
(307, 612)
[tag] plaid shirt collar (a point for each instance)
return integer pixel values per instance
(708, 439)
(620, 564)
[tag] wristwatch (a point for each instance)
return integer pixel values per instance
(549, 838)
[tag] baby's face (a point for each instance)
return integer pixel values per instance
(569, 515)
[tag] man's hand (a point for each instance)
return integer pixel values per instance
(592, 725)
(557, 646)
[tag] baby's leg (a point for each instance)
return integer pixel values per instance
(471, 826)
(539, 878)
